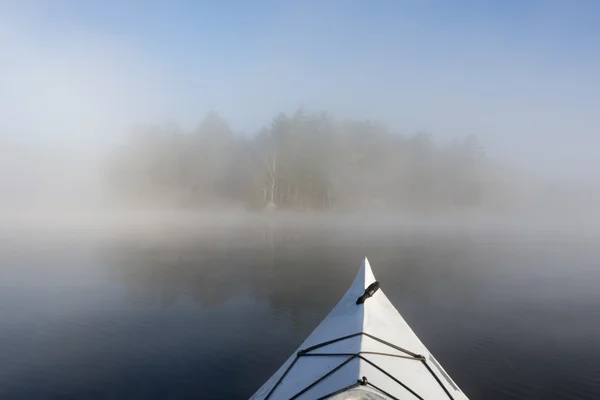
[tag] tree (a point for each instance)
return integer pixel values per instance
(307, 160)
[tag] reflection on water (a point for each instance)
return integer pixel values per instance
(213, 314)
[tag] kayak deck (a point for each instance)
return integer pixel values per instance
(361, 351)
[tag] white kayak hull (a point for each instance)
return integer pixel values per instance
(361, 351)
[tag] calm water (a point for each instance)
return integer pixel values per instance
(179, 313)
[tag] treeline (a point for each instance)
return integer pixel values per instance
(304, 161)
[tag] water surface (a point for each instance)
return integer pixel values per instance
(180, 312)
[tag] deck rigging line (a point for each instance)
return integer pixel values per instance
(351, 356)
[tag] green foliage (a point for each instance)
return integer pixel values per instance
(305, 161)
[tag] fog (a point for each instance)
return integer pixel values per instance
(105, 125)
(187, 188)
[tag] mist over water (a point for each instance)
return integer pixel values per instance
(102, 296)
(174, 223)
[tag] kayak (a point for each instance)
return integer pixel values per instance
(363, 349)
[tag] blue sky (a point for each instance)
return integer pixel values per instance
(521, 75)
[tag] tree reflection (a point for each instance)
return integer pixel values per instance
(300, 272)
(164, 273)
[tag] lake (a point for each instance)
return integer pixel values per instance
(171, 310)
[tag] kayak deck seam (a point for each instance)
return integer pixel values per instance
(360, 382)
(351, 356)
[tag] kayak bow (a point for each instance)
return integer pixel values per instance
(362, 350)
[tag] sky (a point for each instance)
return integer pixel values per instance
(523, 76)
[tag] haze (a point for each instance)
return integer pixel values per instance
(521, 77)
